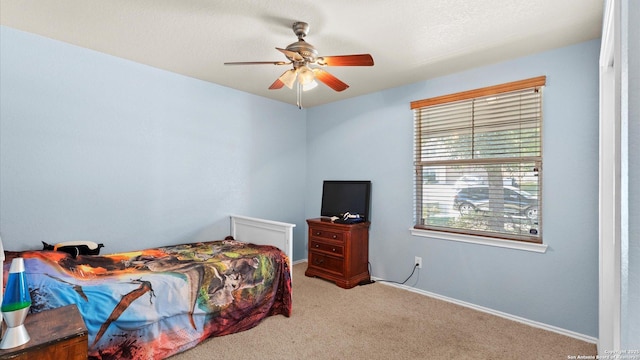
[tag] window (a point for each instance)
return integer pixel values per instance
(478, 161)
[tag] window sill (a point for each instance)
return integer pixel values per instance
(481, 240)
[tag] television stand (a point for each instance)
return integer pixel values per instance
(338, 252)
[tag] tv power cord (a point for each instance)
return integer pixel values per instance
(371, 281)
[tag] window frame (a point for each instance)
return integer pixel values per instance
(501, 240)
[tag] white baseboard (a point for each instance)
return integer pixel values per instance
(536, 324)
(299, 261)
(501, 314)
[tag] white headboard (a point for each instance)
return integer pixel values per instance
(264, 232)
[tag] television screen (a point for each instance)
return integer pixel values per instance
(341, 196)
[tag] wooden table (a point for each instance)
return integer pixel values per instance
(55, 334)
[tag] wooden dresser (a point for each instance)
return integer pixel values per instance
(55, 334)
(338, 252)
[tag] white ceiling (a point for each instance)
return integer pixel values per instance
(410, 40)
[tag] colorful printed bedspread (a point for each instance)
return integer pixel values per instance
(154, 303)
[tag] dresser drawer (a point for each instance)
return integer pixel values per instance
(323, 246)
(325, 234)
(326, 263)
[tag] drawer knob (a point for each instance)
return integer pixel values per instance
(334, 249)
(335, 236)
(317, 245)
(318, 233)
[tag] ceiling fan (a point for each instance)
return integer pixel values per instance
(308, 66)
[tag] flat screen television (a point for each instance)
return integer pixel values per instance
(341, 196)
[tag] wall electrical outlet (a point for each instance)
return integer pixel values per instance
(418, 261)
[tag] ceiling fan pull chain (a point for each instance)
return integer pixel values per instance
(299, 96)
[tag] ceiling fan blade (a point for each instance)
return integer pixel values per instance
(276, 85)
(346, 60)
(291, 54)
(258, 63)
(330, 80)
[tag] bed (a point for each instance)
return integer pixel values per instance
(154, 303)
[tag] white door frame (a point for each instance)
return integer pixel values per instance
(609, 179)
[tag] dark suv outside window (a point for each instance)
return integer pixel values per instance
(475, 198)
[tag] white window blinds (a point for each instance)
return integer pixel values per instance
(478, 160)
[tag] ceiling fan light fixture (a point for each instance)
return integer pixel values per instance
(288, 78)
(310, 86)
(305, 75)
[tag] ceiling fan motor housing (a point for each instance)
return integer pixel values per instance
(306, 50)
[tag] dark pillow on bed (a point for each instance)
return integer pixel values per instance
(75, 248)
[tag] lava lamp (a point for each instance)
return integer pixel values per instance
(15, 306)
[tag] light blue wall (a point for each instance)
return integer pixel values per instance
(94, 147)
(371, 137)
(631, 114)
(99, 148)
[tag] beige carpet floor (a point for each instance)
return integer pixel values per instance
(377, 321)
